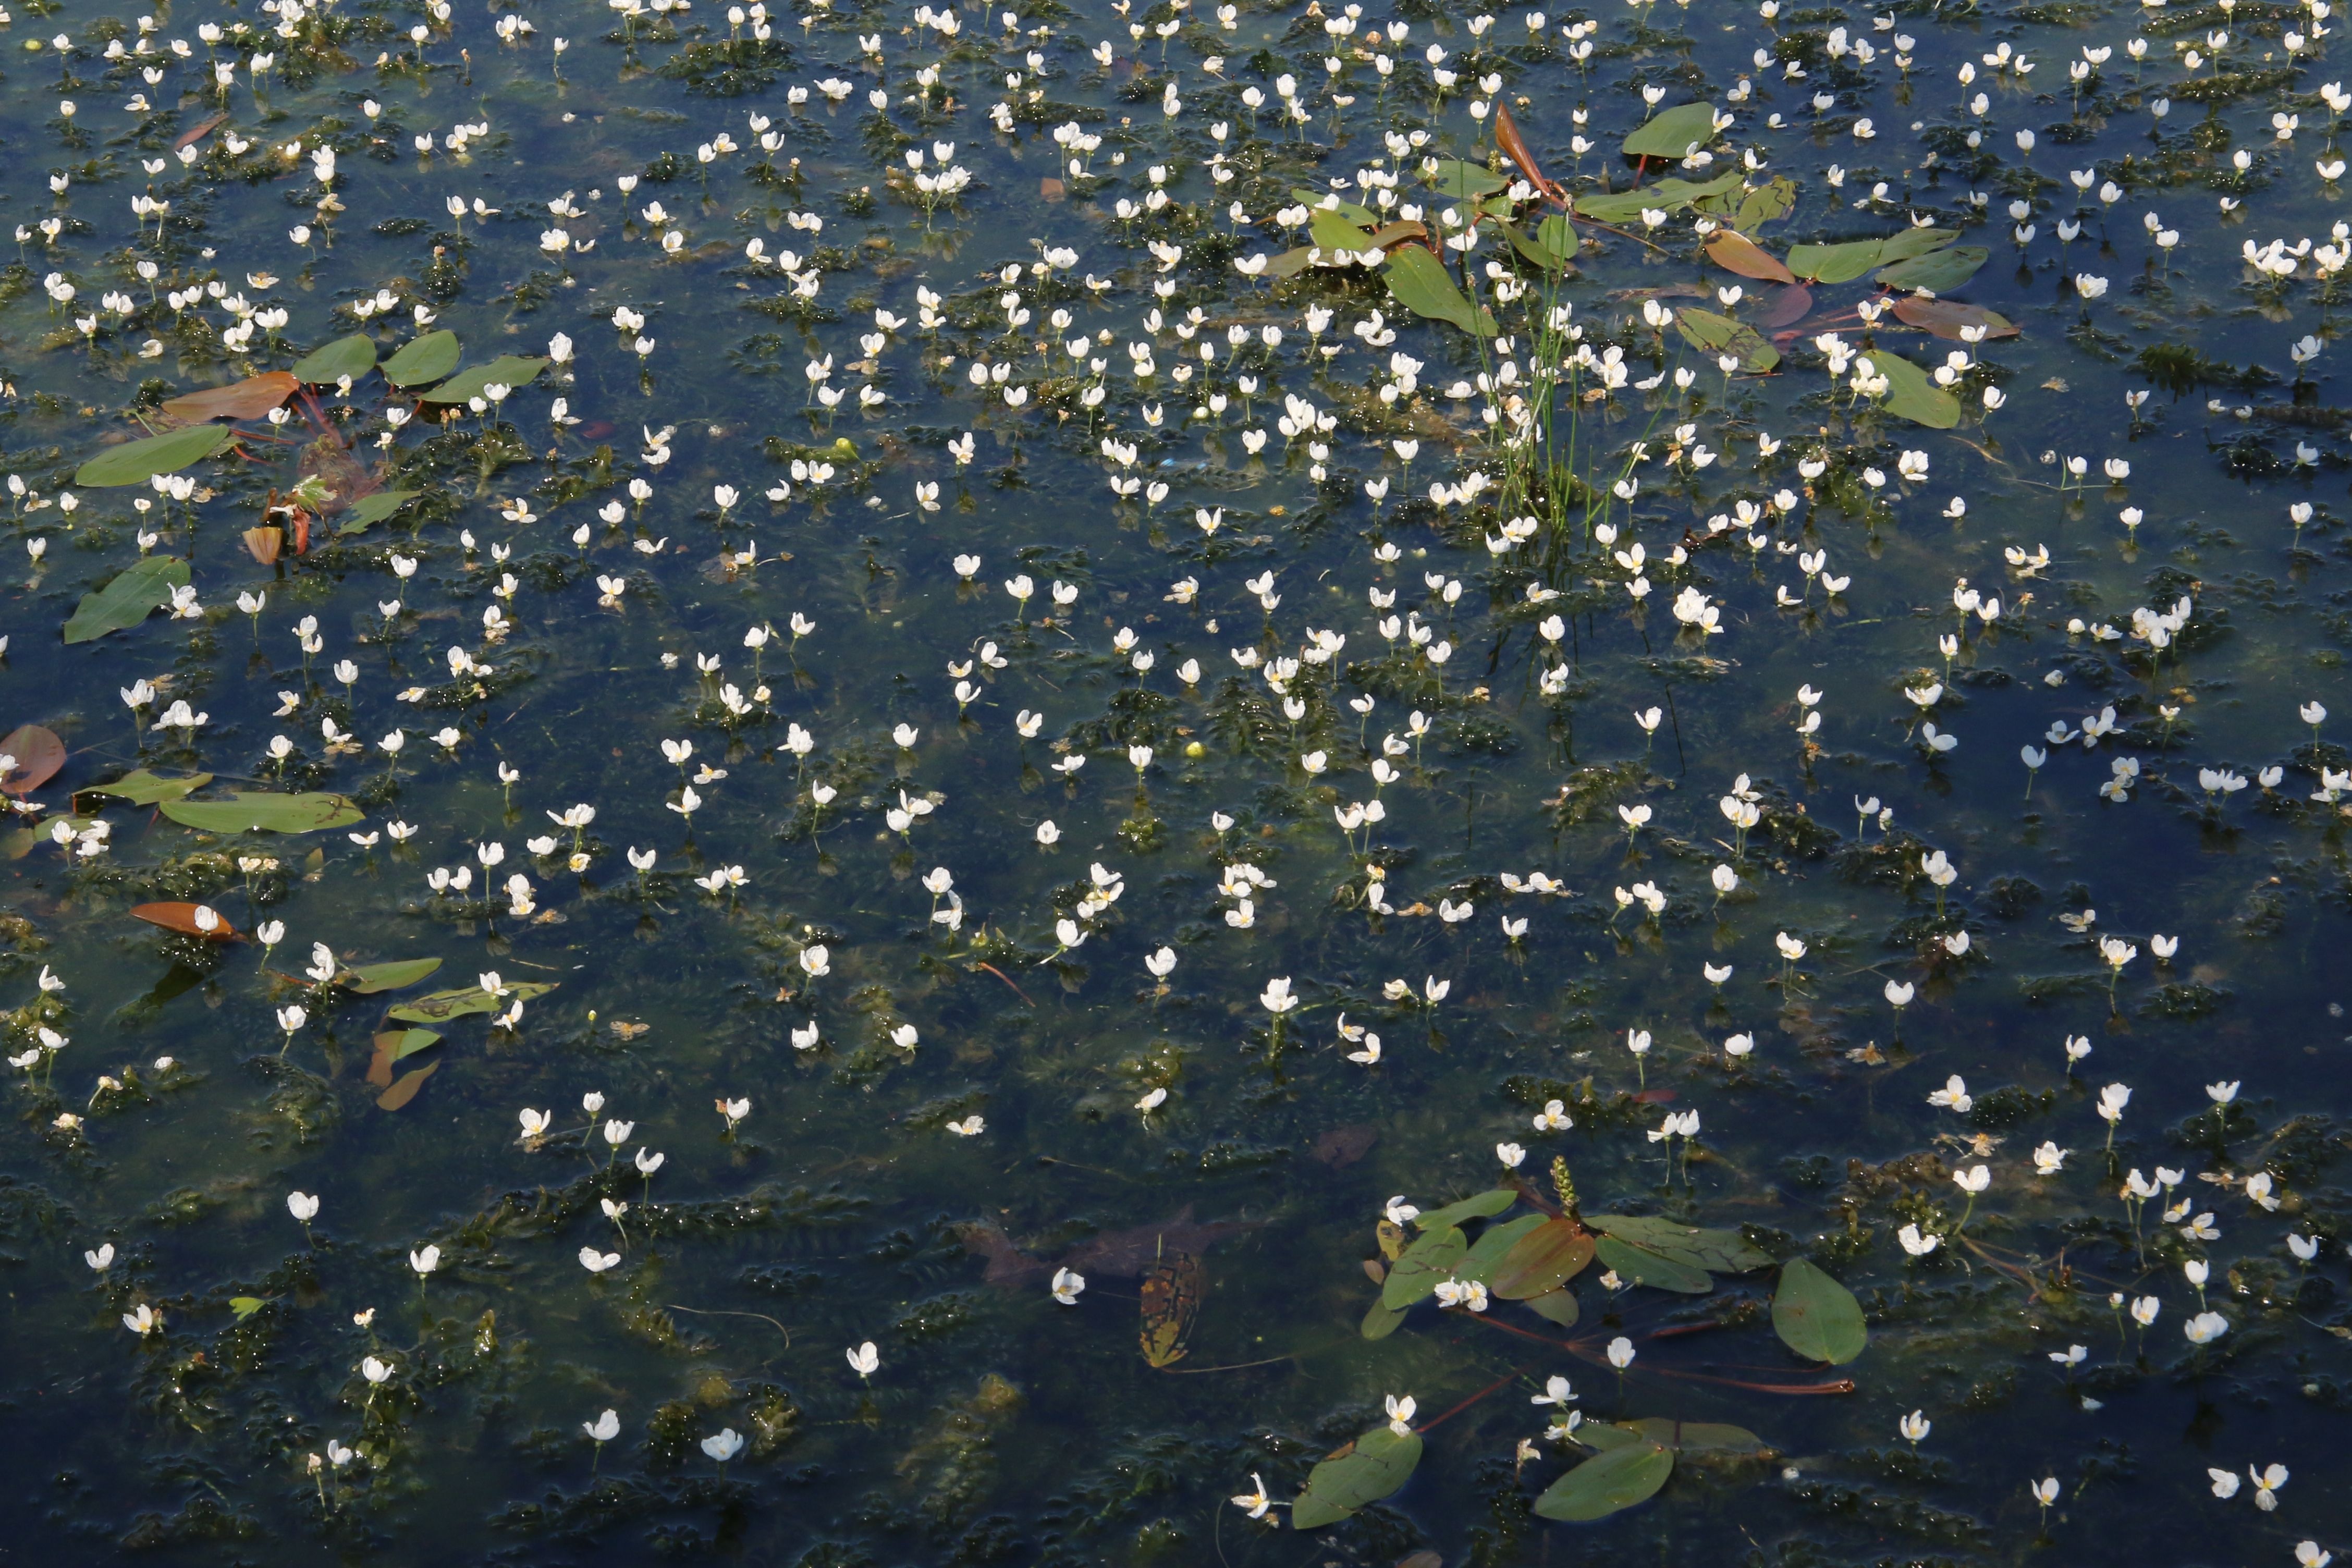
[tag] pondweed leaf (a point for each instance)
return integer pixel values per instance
(137, 592)
(1332, 233)
(246, 1306)
(420, 360)
(38, 756)
(1910, 394)
(441, 1006)
(182, 917)
(248, 399)
(509, 371)
(1690, 1436)
(1172, 1288)
(1735, 252)
(1721, 334)
(1466, 181)
(1362, 216)
(1541, 1260)
(371, 978)
(354, 356)
(1945, 318)
(1640, 1266)
(247, 811)
(1422, 285)
(1938, 272)
(1367, 1470)
(141, 787)
(1666, 195)
(1676, 133)
(1608, 1483)
(399, 1043)
(1556, 1306)
(404, 1088)
(1494, 1244)
(1478, 1206)
(1725, 1251)
(136, 462)
(1381, 1321)
(369, 511)
(1817, 1317)
(1427, 1261)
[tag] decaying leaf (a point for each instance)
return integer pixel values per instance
(38, 756)
(1171, 1301)
(183, 918)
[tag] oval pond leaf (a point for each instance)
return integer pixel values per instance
(39, 754)
(250, 811)
(1367, 1470)
(403, 1088)
(1608, 1483)
(1427, 1261)
(1817, 1317)
(1541, 1261)
(248, 399)
(420, 360)
(136, 462)
(1677, 134)
(182, 917)
(354, 356)
(138, 591)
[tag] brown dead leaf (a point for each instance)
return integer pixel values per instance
(1172, 1288)
(181, 918)
(199, 131)
(248, 399)
(1945, 318)
(1784, 306)
(1052, 189)
(1343, 1146)
(264, 544)
(1735, 252)
(39, 754)
(404, 1090)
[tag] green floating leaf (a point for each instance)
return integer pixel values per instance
(137, 592)
(1690, 1436)
(1910, 393)
(1558, 1305)
(1331, 232)
(1725, 1251)
(1467, 181)
(143, 788)
(1666, 195)
(443, 1006)
(1677, 134)
(246, 1306)
(428, 358)
(1420, 1268)
(399, 1043)
(1817, 1317)
(1940, 273)
(1535, 250)
(1745, 209)
(1608, 1483)
(1362, 216)
(354, 356)
(248, 811)
(1543, 1260)
(1478, 1206)
(1844, 262)
(1367, 1470)
(1720, 334)
(511, 369)
(136, 462)
(369, 511)
(1494, 1244)
(1422, 285)
(1380, 1322)
(369, 979)
(1640, 1266)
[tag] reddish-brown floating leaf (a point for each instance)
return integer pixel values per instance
(264, 544)
(379, 1071)
(1515, 148)
(1052, 189)
(1653, 1097)
(198, 132)
(1945, 318)
(1735, 252)
(39, 754)
(1542, 1261)
(181, 918)
(404, 1090)
(248, 399)
(1784, 306)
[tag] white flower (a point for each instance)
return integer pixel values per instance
(724, 1444)
(1067, 1286)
